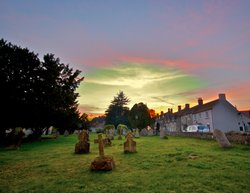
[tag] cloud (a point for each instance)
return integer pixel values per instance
(157, 85)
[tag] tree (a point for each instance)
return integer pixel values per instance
(117, 112)
(139, 116)
(33, 93)
(84, 121)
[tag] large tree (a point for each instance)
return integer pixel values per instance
(35, 93)
(117, 112)
(139, 116)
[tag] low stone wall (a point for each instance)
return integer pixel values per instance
(240, 138)
(235, 137)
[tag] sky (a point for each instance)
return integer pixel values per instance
(163, 53)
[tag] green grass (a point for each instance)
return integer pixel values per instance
(173, 165)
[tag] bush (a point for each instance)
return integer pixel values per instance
(99, 130)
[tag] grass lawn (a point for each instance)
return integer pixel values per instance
(160, 165)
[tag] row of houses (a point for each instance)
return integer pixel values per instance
(218, 113)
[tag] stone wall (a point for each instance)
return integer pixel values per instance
(235, 137)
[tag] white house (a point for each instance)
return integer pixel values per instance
(219, 114)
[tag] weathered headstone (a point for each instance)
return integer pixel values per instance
(163, 133)
(50, 130)
(137, 135)
(144, 132)
(130, 145)
(66, 133)
(104, 163)
(120, 134)
(82, 147)
(106, 141)
(221, 138)
(14, 138)
(150, 132)
(110, 134)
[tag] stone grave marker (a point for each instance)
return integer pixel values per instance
(82, 147)
(66, 133)
(137, 134)
(129, 145)
(106, 141)
(102, 162)
(144, 132)
(163, 133)
(221, 138)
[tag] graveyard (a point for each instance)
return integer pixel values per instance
(173, 164)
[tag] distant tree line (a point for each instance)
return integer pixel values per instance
(117, 113)
(34, 93)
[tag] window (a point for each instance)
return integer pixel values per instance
(207, 116)
(200, 115)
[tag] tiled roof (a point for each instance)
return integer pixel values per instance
(197, 108)
(206, 106)
(246, 113)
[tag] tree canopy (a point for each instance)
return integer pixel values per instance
(139, 116)
(36, 93)
(117, 112)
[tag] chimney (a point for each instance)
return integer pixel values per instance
(200, 101)
(187, 106)
(179, 108)
(222, 96)
(171, 111)
(168, 110)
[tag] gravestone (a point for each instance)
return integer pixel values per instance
(106, 141)
(66, 133)
(110, 134)
(150, 132)
(14, 138)
(221, 138)
(129, 145)
(120, 134)
(137, 135)
(102, 162)
(50, 130)
(144, 132)
(163, 133)
(82, 147)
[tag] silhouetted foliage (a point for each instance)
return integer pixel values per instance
(117, 112)
(33, 93)
(84, 121)
(139, 116)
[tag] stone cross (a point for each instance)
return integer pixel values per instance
(129, 139)
(101, 146)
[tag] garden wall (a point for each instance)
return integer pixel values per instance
(235, 137)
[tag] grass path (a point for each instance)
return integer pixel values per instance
(173, 165)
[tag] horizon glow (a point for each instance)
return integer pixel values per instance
(163, 53)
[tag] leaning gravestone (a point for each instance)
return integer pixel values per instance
(130, 145)
(103, 163)
(82, 147)
(221, 138)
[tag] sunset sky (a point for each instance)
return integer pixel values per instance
(163, 53)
